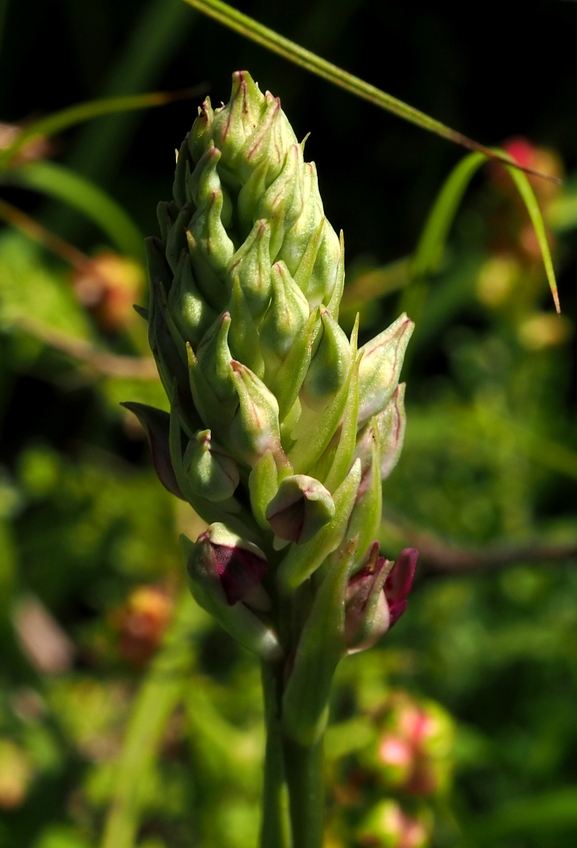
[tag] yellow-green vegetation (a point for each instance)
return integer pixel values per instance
(128, 718)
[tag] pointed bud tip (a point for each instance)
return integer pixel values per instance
(399, 582)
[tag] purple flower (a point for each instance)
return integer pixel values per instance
(377, 597)
(399, 581)
(233, 566)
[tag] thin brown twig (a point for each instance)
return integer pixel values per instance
(98, 360)
(23, 222)
(439, 557)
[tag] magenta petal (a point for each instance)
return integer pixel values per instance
(156, 425)
(398, 583)
(288, 523)
(396, 609)
(239, 571)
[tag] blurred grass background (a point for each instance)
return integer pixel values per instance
(126, 718)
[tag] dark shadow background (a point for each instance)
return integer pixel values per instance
(490, 71)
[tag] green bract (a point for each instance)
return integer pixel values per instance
(281, 429)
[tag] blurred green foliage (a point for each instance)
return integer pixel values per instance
(126, 717)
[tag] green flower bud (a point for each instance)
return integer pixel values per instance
(251, 266)
(255, 426)
(268, 144)
(225, 571)
(280, 428)
(367, 615)
(330, 365)
(214, 358)
(303, 560)
(181, 174)
(381, 366)
(320, 282)
(208, 280)
(390, 425)
(176, 239)
(236, 122)
(311, 249)
(282, 202)
(285, 317)
(315, 430)
(252, 131)
(189, 310)
(308, 228)
(243, 336)
(301, 507)
(206, 226)
(212, 474)
(366, 515)
(200, 132)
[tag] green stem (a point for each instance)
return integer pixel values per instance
(275, 827)
(304, 772)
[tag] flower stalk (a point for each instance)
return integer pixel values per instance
(281, 430)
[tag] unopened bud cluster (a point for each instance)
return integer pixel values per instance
(281, 429)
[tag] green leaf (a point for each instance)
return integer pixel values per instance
(432, 242)
(63, 184)
(366, 515)
(348, 435)
(530, 201)
(434, 236)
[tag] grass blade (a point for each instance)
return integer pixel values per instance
(63, 184)
(431, 244)
(27, 225)
(528, 196)
(249, 28)
(65, 118)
